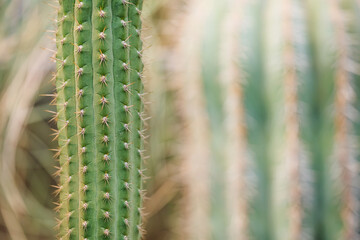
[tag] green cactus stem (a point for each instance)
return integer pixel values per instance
(99, 117)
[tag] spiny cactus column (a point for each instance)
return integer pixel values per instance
(99, 101)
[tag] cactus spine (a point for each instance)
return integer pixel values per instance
(99, 102)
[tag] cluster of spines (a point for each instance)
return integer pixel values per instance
(99, 119)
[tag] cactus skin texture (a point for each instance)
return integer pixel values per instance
(99, 116)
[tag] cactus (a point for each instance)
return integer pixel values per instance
(271, 153)
(99, 117)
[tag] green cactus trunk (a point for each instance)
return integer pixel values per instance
(99, 118)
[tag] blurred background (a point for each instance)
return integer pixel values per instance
(255, 119)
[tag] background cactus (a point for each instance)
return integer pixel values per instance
(99, 117)
(273, 99)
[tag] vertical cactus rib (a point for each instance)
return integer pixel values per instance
(344, 98)
(292, 136)
(62, 123)
(287, 76)
(136, 103)
(70, 97)
(103, 82)
(301, 189)
(232, 77)
(214, 93)
(84, 117)
(275, 95)
(66, 121)
(196, 153)
(122, 93)
(283, 93)
(322, 135)
(256, 109)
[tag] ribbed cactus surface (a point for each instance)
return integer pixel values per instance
(274, 84)
(99, 117)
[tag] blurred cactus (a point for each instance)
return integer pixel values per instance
(269, 97)
(99, 117)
